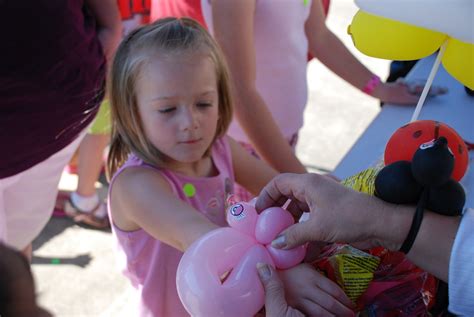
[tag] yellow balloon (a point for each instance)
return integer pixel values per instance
(458, 60)
(390, 39)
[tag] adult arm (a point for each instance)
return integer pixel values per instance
(340, 214)
(329, 49)
(233, 23)
(109, 24)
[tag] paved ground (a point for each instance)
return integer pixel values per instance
(74, 267)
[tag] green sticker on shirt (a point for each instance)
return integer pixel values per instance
(305, 2)
(189, 190)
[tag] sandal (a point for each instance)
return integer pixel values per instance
(61, 199)
(89, 218)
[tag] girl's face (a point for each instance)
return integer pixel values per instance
(178, 105)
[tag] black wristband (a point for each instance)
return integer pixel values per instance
(415, 224)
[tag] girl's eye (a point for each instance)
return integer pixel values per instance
(167, 110)
(204, 104)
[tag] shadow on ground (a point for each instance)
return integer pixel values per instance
(55, 227)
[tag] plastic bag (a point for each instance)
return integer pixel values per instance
(393, 287)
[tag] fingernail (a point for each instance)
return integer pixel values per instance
(279, 242)
(264, 271)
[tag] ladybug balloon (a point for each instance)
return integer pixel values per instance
(405, 142)
(429, 170)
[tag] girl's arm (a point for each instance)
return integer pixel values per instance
(142, 198)
(329, 49)
(233, 29)
(250, 172)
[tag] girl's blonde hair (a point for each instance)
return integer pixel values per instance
(167, 36)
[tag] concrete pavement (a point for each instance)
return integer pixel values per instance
(74, 267)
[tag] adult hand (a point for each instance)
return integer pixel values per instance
(337, 213)
(275, 302)
(312, 293)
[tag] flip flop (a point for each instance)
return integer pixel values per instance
(89, 218)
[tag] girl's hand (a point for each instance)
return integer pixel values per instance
(396, 93)
(276, 304)
(313, 294)
(404, 92)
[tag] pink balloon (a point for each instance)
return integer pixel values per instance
(243, 217)
(270, 223)
(217, 275)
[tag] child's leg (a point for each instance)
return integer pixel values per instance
(84, 204)
(91, 161)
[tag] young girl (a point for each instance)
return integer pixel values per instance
(171, 163)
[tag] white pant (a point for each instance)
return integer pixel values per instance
(27, 199)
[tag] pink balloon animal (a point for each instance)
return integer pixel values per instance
(217, 275)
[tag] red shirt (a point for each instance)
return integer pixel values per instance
(177, 8)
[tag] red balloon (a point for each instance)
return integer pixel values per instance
(407, 139)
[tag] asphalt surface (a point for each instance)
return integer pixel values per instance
(74, 266)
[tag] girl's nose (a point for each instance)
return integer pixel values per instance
(189, 118)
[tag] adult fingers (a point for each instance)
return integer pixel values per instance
(284, 185)
(275, 302)
(296, 208)
(295, 235)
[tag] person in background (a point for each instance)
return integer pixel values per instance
(172, 165)
(189, 8)
(51, 85)
(266, 44)
(192, 8)
(177, 8)
(84, 204)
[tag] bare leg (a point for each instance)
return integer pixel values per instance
(90, 161)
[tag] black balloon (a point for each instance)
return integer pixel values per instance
(433, 163)
(396, 184)
(403, 182)
(447, 199)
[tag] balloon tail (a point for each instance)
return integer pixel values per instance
(429, 82)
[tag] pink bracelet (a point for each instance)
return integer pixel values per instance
(373, 82)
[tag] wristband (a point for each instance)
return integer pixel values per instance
(370, 86)
(415, 224)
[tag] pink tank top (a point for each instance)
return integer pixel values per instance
(150, 264)
(281, 49)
